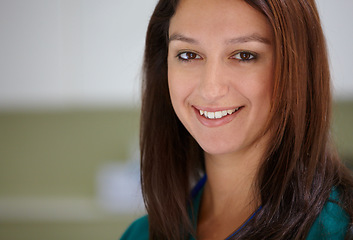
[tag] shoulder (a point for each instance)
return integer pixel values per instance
(333, 221)
(138, 230)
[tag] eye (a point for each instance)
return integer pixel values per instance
(244, 56)
(187, 56)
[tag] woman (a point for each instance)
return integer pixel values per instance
(237, 93)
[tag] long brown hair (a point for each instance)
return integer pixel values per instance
(300, 167)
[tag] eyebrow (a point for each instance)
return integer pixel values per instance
(180, 37)
(243, 39)
(251, 38)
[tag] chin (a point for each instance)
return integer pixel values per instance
(218, 150)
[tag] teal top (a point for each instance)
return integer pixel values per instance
(331, 224)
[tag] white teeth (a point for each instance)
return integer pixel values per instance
(210, 115)
(219, 114)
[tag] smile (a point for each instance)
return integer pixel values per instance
(218, 114)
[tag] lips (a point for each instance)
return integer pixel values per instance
(217, 114)
(216, 117)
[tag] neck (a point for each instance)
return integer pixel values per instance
(231, 183)
(230, 195)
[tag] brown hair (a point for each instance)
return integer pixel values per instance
(300, 167)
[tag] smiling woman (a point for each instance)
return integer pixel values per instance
(235, 124)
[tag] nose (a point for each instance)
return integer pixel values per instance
(213, 84)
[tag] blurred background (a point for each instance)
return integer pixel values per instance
(69, 112)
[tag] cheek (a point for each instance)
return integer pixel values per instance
(257, 87)
(263, 79)
(175, 89)
(180, 86)
(264, 95)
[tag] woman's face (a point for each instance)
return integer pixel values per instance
(220, 73)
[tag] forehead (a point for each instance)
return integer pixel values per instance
(218, 18)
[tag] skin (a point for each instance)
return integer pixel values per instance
(221, 57)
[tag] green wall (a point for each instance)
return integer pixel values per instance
(57, 153)
(343, 130)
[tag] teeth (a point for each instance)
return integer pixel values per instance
(219, 114)
(210, 115)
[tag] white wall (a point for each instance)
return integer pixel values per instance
(63, 53)
(60, 53)
(337, 19)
